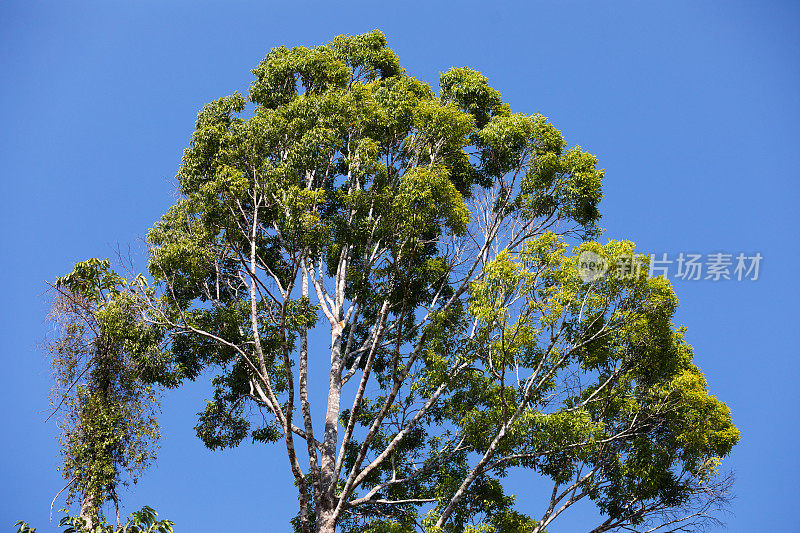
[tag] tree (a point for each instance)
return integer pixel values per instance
(434, 238)
(106, 410)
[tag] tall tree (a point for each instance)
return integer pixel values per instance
(431, 239)
(106, 410)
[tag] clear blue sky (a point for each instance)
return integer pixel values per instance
(691, 107)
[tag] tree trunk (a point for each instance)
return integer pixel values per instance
(326, 522)
(89, 511)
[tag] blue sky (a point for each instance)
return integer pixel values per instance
(691, 107)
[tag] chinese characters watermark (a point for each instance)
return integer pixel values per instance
(716, 266)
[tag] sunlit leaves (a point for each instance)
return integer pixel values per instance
(102, 354)
(426, 217)
(636, 372)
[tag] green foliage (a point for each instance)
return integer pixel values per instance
(639, 378)
(435, 235)
(142, 521)
(100, 353)
(473, 94)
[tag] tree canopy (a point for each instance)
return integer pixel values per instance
(419, 249)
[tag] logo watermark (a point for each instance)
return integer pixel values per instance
(591, 266)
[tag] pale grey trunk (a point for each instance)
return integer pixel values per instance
(326, 505)
(326, 522)
(89, 511)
